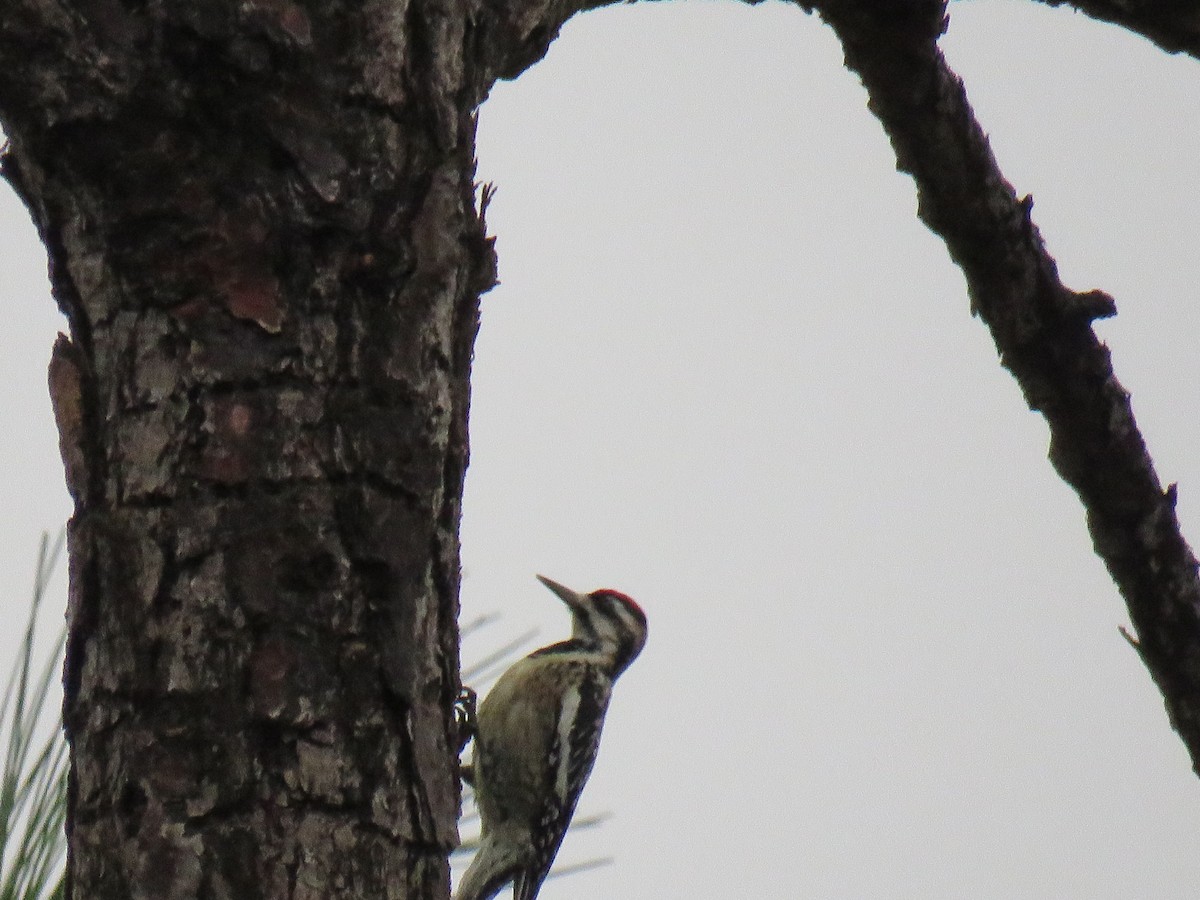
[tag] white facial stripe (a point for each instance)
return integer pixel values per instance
(622, 620)
(608, 626)
(629, 619)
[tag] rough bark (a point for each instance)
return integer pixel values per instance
(1042, 330)
(262, 228)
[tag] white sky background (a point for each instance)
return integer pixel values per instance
(730, 373)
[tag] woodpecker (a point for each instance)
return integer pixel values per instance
(536, 737)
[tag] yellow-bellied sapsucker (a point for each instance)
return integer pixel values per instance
(536, 737)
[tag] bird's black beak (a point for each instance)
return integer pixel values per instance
(573, 599)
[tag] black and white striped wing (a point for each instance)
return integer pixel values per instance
(572, 754)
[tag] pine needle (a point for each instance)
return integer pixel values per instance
(33, 782)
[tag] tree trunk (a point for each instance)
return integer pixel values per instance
(262, 229)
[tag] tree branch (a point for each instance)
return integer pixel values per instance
(1041, 329)
(515, 35)
(1173, 26)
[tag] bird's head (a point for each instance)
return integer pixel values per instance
(607, 620)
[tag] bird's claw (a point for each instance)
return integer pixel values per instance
(464, 716)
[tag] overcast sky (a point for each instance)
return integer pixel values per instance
(731, 374)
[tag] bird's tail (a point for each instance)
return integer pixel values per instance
(490, 870)
(527, 884)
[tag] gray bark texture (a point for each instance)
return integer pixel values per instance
(262, 228)
(262, 225)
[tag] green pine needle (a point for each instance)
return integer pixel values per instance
(33, 782)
